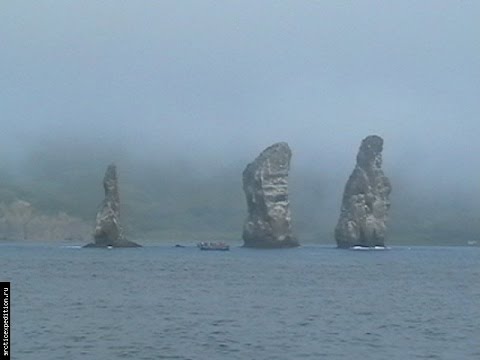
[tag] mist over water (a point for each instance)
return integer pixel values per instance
(189, 93)
(181, 96)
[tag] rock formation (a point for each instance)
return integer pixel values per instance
(108, 230)
(20, 220)
(365, 201)
(265, 182)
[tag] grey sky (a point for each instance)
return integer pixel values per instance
(217, 81)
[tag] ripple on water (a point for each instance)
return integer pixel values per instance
(308, 303)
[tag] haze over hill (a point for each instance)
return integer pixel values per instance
(183, 95)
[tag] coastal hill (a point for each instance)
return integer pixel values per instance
(55, 197)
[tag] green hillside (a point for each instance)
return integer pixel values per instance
(174, 202)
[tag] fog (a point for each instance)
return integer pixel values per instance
(194, 90)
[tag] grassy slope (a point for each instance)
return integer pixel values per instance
(166, 205)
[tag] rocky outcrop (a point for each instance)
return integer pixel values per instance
(108, 230)
(365, 201)
(20, 220)
(265, 182)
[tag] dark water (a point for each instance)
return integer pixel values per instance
(306, 303)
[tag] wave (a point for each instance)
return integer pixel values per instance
(369, 248)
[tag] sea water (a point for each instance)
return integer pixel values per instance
(313, 302)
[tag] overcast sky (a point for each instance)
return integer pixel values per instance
(217, 81)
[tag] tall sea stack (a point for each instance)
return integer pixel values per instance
(365, 201)
(265, 182)
(108, 230)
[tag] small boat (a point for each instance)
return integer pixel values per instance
(218, 246)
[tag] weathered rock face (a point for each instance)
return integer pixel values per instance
(265, 182)
(108, 230)
(365, 201)
(20, 220)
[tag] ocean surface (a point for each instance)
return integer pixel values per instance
(314, 302)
